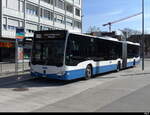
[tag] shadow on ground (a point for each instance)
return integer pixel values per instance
(12, 82)
(36, 82)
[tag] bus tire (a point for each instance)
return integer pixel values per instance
(118, 67)
(88, 72)
(134, 63)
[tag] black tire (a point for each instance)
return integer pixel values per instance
(134, 63)
(118, 67)
(88, 72)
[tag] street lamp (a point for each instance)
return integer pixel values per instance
(143, 54)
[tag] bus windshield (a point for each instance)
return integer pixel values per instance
(48, 52)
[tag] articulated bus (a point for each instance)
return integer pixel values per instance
(59, 54)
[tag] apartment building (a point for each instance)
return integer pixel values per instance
(36, 15)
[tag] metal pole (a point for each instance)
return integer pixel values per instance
(143, 54)
(110, 27)
(23, 57)
(16, 58)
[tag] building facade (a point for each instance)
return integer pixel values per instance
(34, 15)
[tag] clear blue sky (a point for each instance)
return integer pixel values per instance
(98, 12)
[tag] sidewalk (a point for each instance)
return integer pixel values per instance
(10, 78)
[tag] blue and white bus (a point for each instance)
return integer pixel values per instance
(59, 54)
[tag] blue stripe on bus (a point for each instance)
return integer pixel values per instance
(104, 69)
(138, 62)
(130, 64)
(75, 74)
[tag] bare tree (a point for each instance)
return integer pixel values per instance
(93, 29)
(127, 32)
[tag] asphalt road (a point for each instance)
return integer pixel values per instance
(125, 91)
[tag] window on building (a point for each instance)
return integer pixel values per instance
(13, 4)
(46, 14)
(49, 1)
(59, 18)
(13, 28)
(77, 24)
(12, 24)
(31, 9)
(31, 28)
(77, 12)
(69, 22)
(69, 7)
(60, 4)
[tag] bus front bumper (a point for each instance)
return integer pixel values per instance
(69, 75)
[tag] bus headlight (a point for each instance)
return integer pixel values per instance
(61, 73)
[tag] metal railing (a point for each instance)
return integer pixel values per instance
(7, 67)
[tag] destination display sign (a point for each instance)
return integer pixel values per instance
(52, 34)
(49, 36)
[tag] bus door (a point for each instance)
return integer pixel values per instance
(124, 55)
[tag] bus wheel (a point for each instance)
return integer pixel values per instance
(88, 72)
(118, 67)
(134, 63)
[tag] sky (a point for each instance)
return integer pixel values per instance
(99, 12)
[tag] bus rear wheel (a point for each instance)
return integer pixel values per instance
(134, 63)
(88, 72)
(118, 67)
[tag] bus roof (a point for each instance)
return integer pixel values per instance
(137, 44)
(104, 38)
(107, 38)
